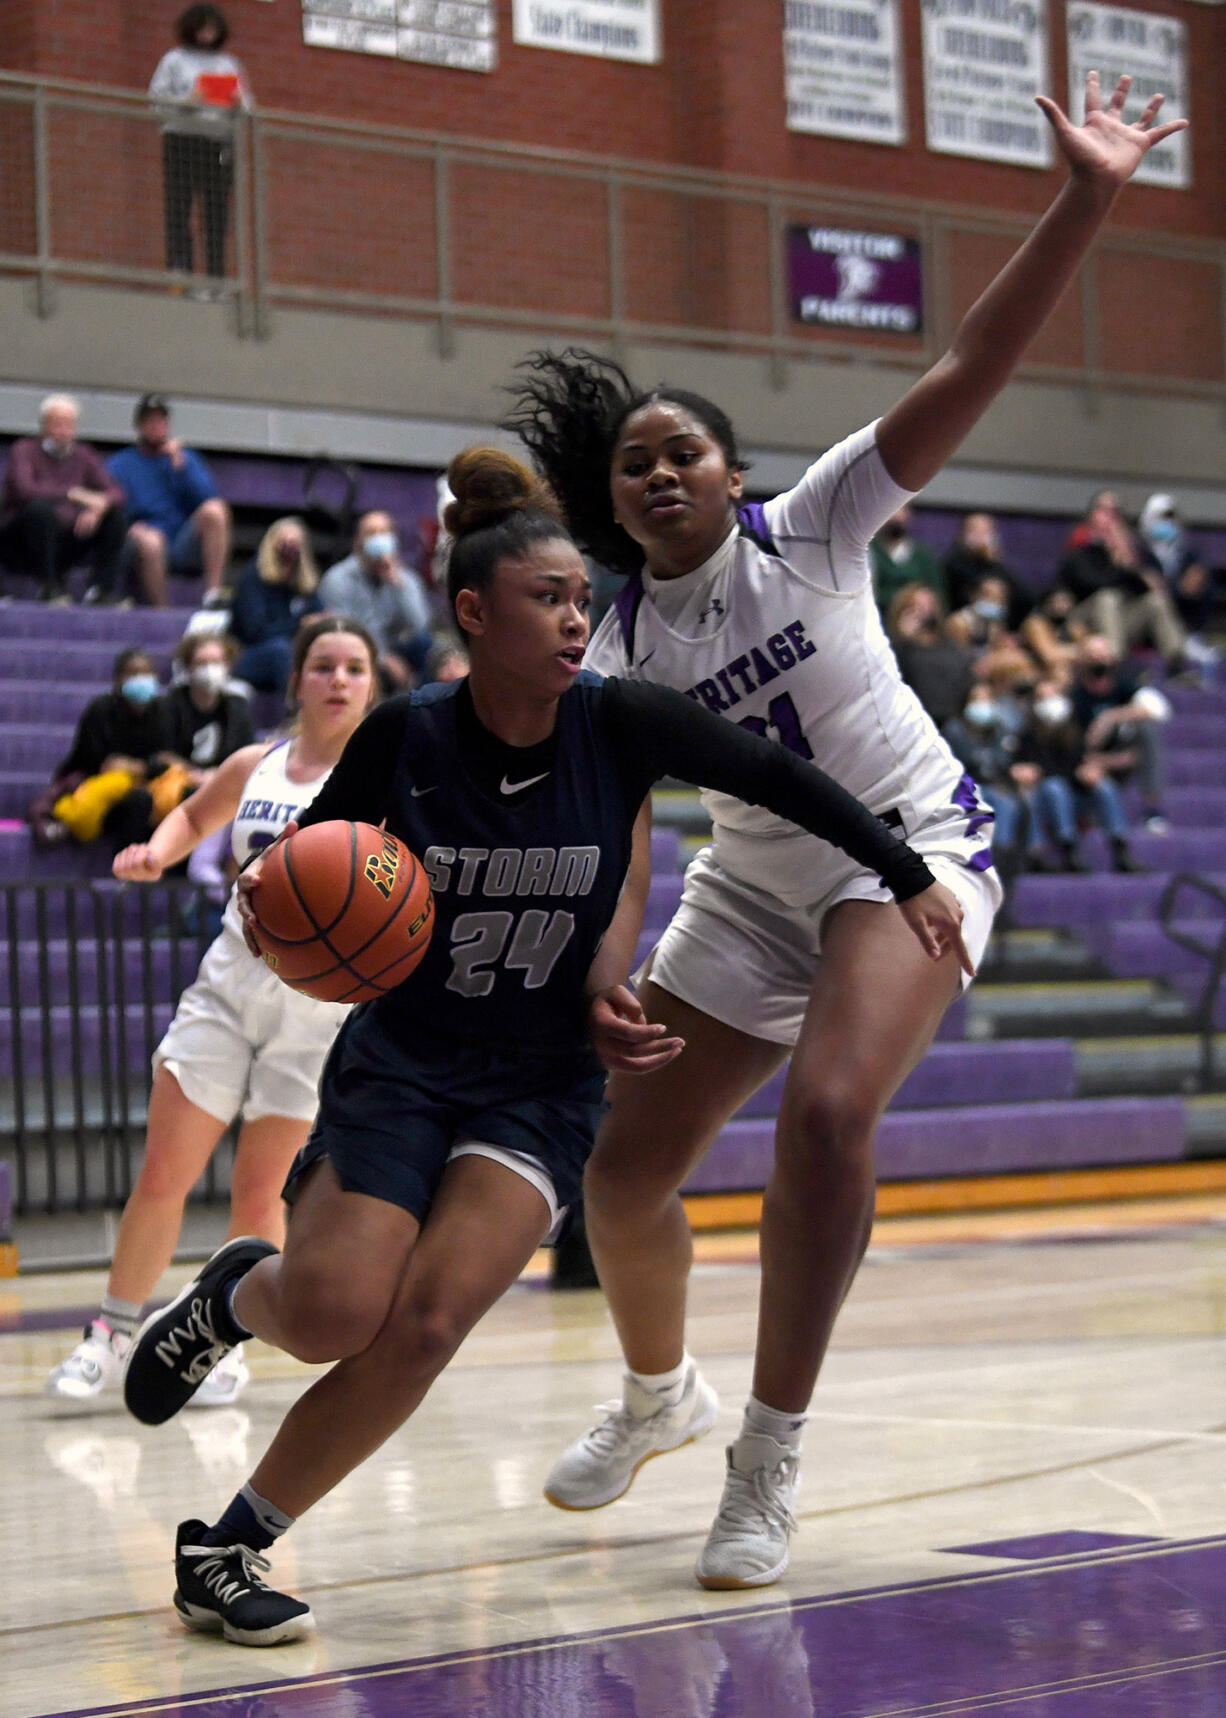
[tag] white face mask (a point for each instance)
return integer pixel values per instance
(208, 676)
(1053, 708)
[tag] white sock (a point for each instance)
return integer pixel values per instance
(122, 1316)
(784, 1428)
(664, 1389)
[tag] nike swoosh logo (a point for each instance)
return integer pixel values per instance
(416, 792)
(506, 786)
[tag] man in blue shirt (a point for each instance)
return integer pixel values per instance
(179, 522)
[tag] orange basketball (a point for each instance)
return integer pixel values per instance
(343, 911)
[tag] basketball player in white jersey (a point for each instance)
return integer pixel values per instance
(765, 615)
(241, 1042)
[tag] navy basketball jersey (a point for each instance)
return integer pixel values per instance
(526, 856)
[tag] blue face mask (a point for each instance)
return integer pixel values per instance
(140, 688)
(1164, 530)
(981, 714)
(986, 609)
(380, 546)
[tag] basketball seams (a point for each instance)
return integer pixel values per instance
(345, 964)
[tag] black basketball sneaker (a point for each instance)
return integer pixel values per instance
(218, 1589)
(177, 1348)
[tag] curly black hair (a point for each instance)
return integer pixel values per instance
(196, 18)
(568, 411)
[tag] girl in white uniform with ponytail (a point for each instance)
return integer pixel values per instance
(241, 1042)
(765, 615)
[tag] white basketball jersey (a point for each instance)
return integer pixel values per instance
(779, 631)
(270, 801)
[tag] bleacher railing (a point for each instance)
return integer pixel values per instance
(1212, 948)
(92, 974)
(386, 221)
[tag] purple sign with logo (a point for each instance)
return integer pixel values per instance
(840, 278)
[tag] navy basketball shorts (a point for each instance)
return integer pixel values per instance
(394, 1111)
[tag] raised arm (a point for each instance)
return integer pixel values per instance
(919, 434)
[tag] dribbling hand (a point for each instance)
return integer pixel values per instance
(137, 864)
(244, 889)
(623, 1037)
(935, 918)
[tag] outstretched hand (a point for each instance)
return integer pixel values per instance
(1104, 148)
(623, 1037)
(935, 919)
(139, 864)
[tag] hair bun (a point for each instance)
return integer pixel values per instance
(489, 485)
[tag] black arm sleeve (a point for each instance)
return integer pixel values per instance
(359, 788)
(667, 734)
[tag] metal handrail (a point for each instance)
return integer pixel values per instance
(1212, 951)
(254, 287)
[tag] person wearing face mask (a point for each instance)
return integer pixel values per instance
(60, 506)
(100, 788)
(374, 585)
(273, 595)
(205, 722)
(983, 739)
(976, 555)
(899, 559)
(1166, 550)
(1052, 633)
(1066, 784)
(1115, 592)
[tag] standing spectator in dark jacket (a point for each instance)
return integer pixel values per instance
(178, 522)
(1115, 593)
(197, 89)
(274, 593)
(59, 505)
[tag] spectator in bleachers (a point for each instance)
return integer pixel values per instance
(938, 669)
(374, 587)
(1122, 722)
(1165, 548)
(899, 559)
(205, 720)
(447, 661)
(1065, 783)
(1052, 634)
(196, 89)
(273, 595)
(976, 556)
(1115, 593)
(982, 627)
(177, 520)
(982, 739)
(100, 789)
(60, 506)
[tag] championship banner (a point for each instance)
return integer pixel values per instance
(1152, 49)
(841, 278)
(462, 34)
(842, 63)
(984, 63)
(611, 29)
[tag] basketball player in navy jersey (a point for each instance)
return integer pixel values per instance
(765, 615)
(457, 1112)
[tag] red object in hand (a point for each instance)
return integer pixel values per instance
(218, 89)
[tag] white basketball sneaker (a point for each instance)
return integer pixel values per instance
(93, 1369)
(748, 1542)
(599, 1466)
(225, 1383)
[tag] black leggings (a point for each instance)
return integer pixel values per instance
(196, 167)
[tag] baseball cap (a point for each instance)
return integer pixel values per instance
(149, 403)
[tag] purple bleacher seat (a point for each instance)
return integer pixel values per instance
(1196, 728)
(1193, 766)
(152, 627)
(1076, 902)
(980, 1140)
(35, 746)
(1140, 950)
(141, 1032)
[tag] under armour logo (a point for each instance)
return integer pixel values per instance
(713, 607)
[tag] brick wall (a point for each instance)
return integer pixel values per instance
(348, 219)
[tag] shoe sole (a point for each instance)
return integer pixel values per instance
(695, 1432)
(735, 1583)
(208, 1622)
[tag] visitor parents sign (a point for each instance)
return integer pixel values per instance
(842, 278)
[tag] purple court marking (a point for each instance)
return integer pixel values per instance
(1042, 1547)
(1141, 1633)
